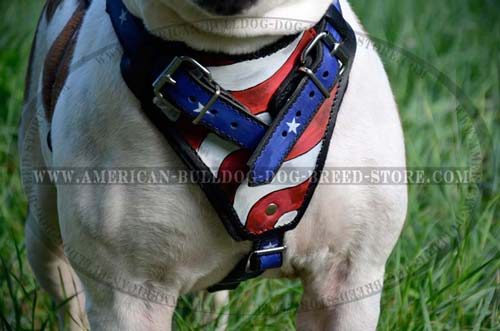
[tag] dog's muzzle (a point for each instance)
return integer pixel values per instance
(225, 7)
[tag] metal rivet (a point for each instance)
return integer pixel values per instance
(271, 209)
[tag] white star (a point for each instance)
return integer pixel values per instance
(269, 245)
(123, 16)
(292, 126)
(200, 108)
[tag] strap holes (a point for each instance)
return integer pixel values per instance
(192, 99)
(298, 114)
(325, 74)
(312, 94)
(284, 133)
(234, 125)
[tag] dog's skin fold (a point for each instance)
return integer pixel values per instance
(126, 252)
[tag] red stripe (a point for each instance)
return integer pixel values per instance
(233, 171)
(257, 98)
(287, 200)
(194, 134)
(316, 129)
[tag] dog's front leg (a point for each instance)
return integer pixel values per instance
(112, 309)
(341, 260)
(347, 300)
(124, 289)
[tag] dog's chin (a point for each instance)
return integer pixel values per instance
(225, 7)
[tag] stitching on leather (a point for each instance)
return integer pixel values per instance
(231, 211)
(230, 108)
(312, 186)
(282, 156)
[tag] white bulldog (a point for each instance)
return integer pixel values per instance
(125, 253)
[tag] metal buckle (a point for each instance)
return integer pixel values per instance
(261, 252)
(166, 77)
(333, 45)
(323, 35)
(316, 81)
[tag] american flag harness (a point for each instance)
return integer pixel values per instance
(266, 126)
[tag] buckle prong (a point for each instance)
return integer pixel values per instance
(209, 104)
(316, 81)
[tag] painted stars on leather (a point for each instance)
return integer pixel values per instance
(270, 245)
(292, 126)
(200, 108)
(123, 16)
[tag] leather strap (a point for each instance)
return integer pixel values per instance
(192, 91)
(254, 264)
(315, 87)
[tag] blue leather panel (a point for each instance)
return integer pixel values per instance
(274, 150)
(223, 118)
(272, 260)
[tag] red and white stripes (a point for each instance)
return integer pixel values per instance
(253, 83)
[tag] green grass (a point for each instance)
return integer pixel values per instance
(444, 273)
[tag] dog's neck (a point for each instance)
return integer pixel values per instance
(181, 20)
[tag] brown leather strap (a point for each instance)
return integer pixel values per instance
(58, 59)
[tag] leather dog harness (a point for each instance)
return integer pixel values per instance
(274, 126)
